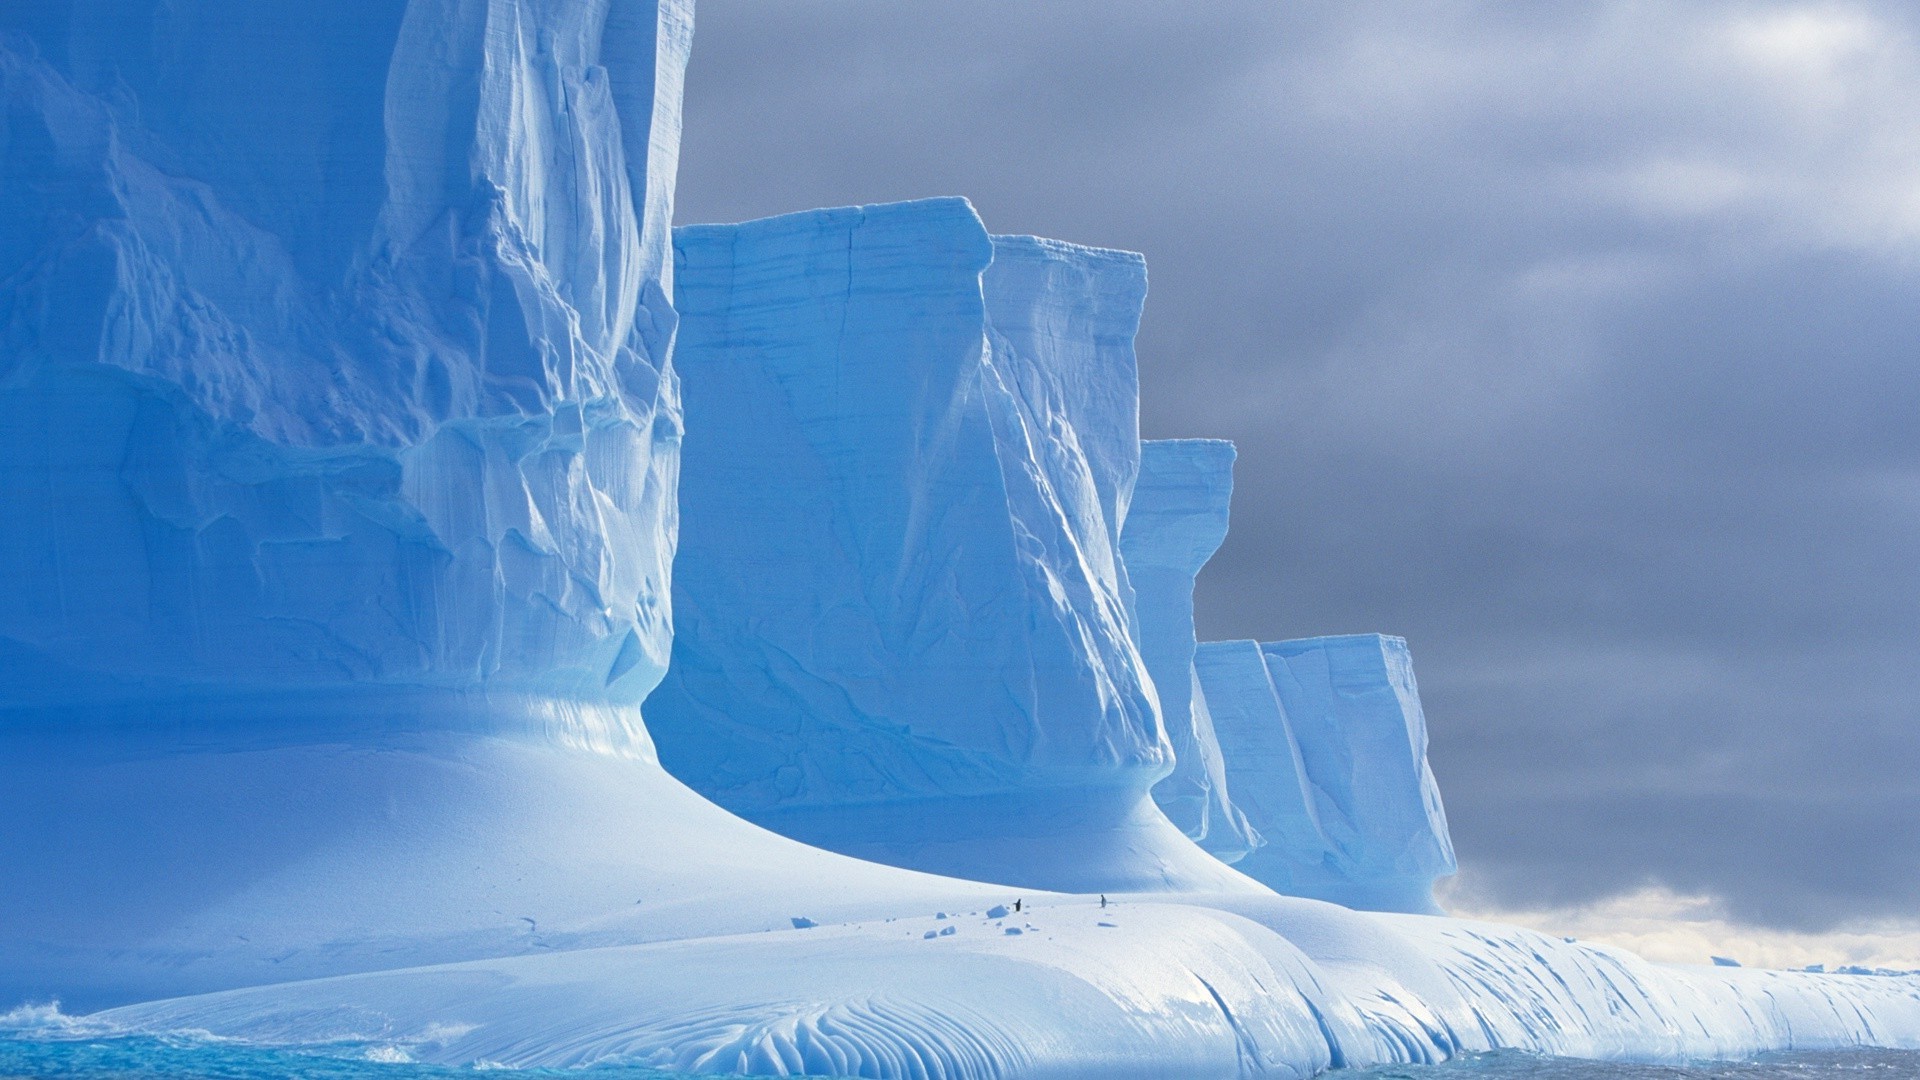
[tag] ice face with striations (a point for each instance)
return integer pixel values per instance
(1177, 520)
(334, 345)
(903, 625)
(1326, 752)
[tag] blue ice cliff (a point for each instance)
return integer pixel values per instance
(1326, 755)
(343, 372)
(1176, 521)
(340, 451)
(904, 629)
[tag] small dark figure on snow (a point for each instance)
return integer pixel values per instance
(1103, 901)
(1016, 907)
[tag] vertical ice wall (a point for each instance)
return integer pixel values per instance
(1175, 523)
(1263, 766)
(333, 351)
(338, 440)
(1326, 752)
(903, 628)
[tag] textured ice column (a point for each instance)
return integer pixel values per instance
(1336, 761)
(1175, 523)
(334, 346)
(335, 410)
(1263, 766)
(903, 629)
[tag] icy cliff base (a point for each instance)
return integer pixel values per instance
(1276, 987)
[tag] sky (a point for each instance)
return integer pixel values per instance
(1574, 343)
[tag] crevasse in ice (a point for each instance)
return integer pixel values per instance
(904, 629)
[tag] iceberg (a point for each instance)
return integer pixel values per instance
(1175, 522)
(903, 627)
(1326, 752)
(343, 469)
(338, 444)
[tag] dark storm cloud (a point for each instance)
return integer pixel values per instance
(1575, 345)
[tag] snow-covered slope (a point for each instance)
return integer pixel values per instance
(903, 628)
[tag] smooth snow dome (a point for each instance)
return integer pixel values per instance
(904, 630)
(1326, 751)
(1176, 521)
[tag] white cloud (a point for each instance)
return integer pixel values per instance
(1675, 928)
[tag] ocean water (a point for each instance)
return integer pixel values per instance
(127, 1057)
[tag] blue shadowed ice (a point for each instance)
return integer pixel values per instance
(1326, 751)
(1177, 519)
(904, 628)
(344, 371)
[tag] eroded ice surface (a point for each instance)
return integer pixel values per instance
(1326, 752)
(334, 345)
(904, 629)
(1176, 521)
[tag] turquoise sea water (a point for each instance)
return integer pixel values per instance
(146, 1058)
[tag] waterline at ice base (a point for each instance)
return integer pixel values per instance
(448, 609)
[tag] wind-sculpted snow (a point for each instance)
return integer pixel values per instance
(1326, 753)
(1255, 987)
(903, 627)
(1176, 521)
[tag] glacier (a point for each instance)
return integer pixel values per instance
(382, 477)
